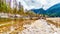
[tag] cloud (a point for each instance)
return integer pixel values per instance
(30, 4)
(50, 3)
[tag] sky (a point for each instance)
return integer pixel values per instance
(36, 4)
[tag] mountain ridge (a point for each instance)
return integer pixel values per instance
(52, 11)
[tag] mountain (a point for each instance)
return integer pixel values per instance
(54, 10)
(39, 11)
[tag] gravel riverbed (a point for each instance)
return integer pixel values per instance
(40, 27)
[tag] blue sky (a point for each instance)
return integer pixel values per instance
(36, 4)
